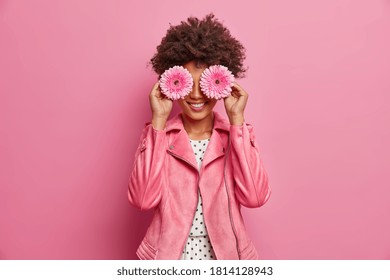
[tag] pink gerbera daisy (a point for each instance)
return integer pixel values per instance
(176, 82)
(216, 81)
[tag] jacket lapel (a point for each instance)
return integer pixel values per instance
(180, 147)
(215, 148)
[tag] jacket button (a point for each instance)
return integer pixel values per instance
(171, 147)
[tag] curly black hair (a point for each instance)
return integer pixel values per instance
(205, 41)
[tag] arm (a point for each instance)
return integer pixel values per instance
(251, 180)
(147, 178)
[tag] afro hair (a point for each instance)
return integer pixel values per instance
(205, 41)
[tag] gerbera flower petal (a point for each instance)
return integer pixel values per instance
(216, 81)
(176, 82)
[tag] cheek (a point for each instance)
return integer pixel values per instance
(181, 103)
(213, 103)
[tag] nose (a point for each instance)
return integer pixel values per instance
(196, 92)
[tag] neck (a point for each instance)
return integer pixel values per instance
(198, 129)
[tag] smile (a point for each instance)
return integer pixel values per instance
(197, 106)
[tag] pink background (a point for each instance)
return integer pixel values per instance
(73, 100)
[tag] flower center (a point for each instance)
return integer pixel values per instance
(176, 82)
(217, 82)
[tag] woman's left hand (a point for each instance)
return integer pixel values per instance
(235, 104)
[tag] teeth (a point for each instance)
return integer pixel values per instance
(197, 105)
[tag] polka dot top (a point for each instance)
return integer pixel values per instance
(198, 245)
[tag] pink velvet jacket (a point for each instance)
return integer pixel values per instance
(166, 177)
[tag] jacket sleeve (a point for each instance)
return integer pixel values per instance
(251, 180)
(147, 177)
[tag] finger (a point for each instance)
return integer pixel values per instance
(236, 94)
(237, 88)
(156, 86)
(228, 98)
(156, 90)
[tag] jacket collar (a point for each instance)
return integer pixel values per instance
(180, 146)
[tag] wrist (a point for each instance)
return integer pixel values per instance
(236, 120)
(158, 123)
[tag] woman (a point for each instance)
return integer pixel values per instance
(197, 169)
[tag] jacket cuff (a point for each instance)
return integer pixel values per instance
(244, 132)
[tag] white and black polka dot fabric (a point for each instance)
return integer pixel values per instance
(198, 245)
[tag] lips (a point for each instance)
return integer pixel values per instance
(197, 106)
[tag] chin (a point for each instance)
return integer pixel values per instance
(197, 117)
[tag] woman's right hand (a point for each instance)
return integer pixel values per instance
(161, 107)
